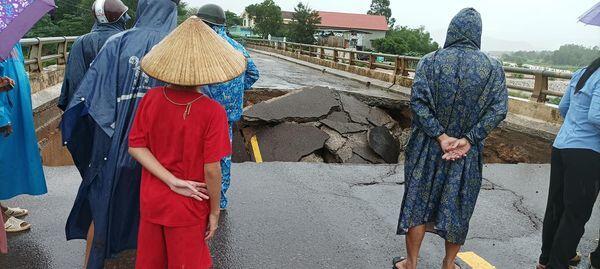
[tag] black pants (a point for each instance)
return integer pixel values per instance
(574, 186)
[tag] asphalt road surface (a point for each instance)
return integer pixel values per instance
(284, 75)
(316, 216)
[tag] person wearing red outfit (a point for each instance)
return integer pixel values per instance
(179, 136)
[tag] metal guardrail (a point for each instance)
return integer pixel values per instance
(38, 51)
(402, 66)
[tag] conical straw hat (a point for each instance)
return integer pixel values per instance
(192, 55)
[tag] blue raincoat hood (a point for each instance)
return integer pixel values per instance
(465, 29)
(160, 15)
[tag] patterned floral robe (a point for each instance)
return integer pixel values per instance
(460, 91)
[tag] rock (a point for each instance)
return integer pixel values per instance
(289, 142)
(384, 144)
(357, 110)
(358, 143)
(335, 141)
(312, 158)
(378, 117)
(357, 159)
(339, 121)
(512, 154)
(310, 104)
(344, 154)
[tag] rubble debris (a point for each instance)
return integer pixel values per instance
(384, 144)
(340, 122)
(357, 110)
(239, 149)
(290, 142)
(378, 117)
(335, 141)
(307, 105)
(358, 143)
(312, 158)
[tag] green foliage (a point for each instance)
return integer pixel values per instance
(382, 7)
(267, 18)
(75, 17)
(406, 41)
(566, 57)
(304, 24)
(233, 19)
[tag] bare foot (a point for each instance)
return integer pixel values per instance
(405, 264)
(450, 265)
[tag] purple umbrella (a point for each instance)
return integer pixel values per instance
(16, 18)
(591, 16)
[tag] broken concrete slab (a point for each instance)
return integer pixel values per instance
(306, 105)
(357, 110)
(378, 117)
(335, 140)
(384, 144)
(289, 142)
(358, 143)
(340, 122)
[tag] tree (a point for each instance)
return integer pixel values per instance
(304, 24)
(75, 17)
(267, 18)
(406, 41)
(382, 7)
(233, 19)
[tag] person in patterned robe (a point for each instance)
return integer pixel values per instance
(458, 97)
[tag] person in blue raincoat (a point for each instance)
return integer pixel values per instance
(110, 19)
(229, 94)
(458, 97)
(109, 94)
(20, 161)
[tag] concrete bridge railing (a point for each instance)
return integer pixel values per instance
(45, 61)
(399, 68)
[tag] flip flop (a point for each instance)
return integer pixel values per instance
(397, 260)
(14, 225)
(16, 212)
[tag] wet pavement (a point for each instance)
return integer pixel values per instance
(317, 216)
(284, 75)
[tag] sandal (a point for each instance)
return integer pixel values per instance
(397, 260)
(16, 212)
(14, 225)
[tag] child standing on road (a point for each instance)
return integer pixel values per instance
(179, 137)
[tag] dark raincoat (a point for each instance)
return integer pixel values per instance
(82, 54)
(109, 94)
(459, 91)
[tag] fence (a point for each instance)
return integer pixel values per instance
(403, 66)
(38, 51)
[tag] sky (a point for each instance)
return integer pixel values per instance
(508, 25)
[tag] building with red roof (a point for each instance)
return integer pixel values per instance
(348, 30)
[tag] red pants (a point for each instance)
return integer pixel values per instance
(161, 247)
